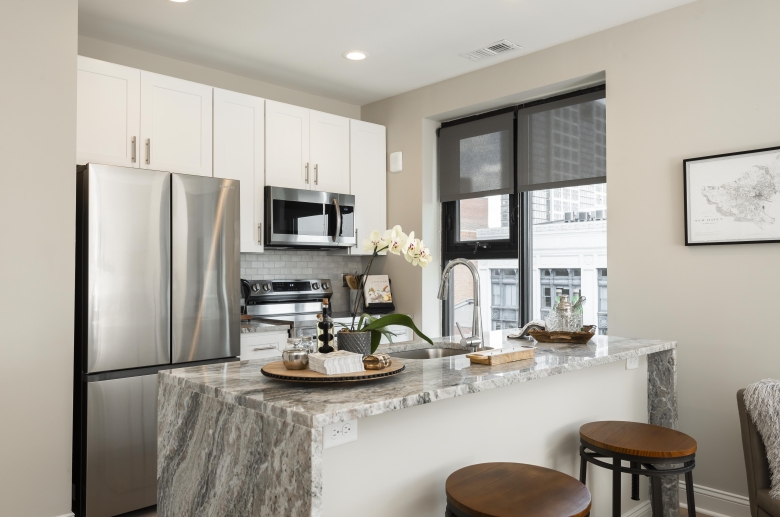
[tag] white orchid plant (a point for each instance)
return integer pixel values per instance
(396, 242)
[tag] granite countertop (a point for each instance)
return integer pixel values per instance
(253, 326)
(422, 382)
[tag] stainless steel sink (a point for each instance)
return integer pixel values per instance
(429, 353)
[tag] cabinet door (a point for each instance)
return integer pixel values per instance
(239, 125)
(368, 178)
(329, 152)
(108, 113)
(286, 146)
(175, 125)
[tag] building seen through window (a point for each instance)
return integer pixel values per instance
(568, 252)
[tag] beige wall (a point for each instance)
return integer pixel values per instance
(127, 56)
(697, 80)
(37, 231)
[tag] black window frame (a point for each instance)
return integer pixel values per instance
(477, 250)
(519, 245)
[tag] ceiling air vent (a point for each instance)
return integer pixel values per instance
(491, 50)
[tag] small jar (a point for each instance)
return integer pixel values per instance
(307, 342)
(295, 356)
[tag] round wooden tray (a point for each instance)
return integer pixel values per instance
(276, 370)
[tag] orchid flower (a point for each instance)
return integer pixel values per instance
(425, 255)
(409, 248)
(396, 240)
(374, 242)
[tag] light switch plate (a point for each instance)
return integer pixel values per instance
(632, 363)
(396, 162)
(339, 433)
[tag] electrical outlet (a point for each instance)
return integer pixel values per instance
(340, 433)
(632, 363)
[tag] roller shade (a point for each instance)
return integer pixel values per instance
(562, 143)
(476, 158)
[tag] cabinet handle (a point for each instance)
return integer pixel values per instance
(356, 237)
(316, 175)
(148, 150)
(264, 347)
(307, 172)
(259, 233)
(132, 152)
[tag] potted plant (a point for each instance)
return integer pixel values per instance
(364, 336)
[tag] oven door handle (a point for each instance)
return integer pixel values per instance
(338, 220)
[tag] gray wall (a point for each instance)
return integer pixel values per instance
(127, 56)
(693, 81)
(37, 231)
(301, 264)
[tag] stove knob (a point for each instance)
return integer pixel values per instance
(255, 287)
(315, 285)
(266, 287)
(325, 286)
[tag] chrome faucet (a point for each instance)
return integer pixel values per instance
(475, 341)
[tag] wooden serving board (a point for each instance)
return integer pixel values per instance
(276, 370)
(575, 338)
(501, 356)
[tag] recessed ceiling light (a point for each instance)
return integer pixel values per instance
(178, 1)
(355, 55)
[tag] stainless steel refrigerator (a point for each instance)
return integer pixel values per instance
(157, 287)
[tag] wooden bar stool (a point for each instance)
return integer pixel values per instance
(514, 489)
(645, 447)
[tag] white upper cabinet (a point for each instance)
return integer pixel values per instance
(239, 123)
(329, 152)
(368, 163)
(108, 113)
(287, 146)
(176, 124)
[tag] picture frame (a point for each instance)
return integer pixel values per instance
(732, 198)
(377, 295)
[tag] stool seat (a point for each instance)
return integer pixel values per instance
(636, 439)
(515, 489)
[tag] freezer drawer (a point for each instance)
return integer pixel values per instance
(124, 278)
(205, 312)
(121, 445)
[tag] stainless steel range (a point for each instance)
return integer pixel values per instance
(293, 302)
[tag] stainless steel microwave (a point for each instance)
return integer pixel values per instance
(296, 218)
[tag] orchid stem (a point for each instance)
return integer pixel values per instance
(362, 285)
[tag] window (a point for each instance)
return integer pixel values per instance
(547, 231)
(602, 314)
(567, 280)
(483, 219)
(499, 292)
(481, 228)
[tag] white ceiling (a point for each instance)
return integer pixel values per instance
(299, 43)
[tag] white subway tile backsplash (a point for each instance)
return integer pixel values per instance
(293, 264)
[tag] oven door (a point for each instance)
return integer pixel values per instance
(308, 218)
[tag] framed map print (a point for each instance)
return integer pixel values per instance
(733, 198)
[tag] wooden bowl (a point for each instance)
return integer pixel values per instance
(575, 338)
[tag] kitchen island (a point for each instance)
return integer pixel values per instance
(233, 442)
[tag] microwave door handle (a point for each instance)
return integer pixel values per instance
(338, 220)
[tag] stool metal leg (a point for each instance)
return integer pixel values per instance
(689, 493)
(583, 467)
(658, 503)
(616, 487)
(635, 483)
